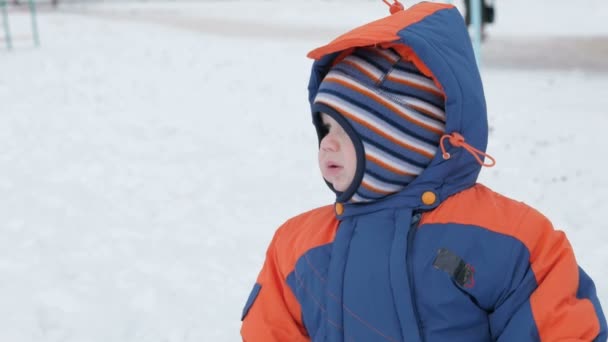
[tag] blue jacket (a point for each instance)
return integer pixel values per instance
(445, 259)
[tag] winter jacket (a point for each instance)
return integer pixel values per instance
(446, 258)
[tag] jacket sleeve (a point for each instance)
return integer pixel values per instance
(272, 313)
(548, 297)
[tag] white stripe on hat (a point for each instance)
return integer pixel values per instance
(369, 68)
(380, 185)
(436, 111)
(374, 121)
(392, 56)
(403, 110)
(395, 163)
(357, 198)
(415, 79)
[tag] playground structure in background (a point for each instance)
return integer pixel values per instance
(476, 18)
(8, 39)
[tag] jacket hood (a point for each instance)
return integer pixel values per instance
(435, 39)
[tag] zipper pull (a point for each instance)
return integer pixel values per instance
(416, 219)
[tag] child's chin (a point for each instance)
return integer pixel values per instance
(339, 187)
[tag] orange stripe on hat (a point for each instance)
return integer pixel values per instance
(388, 166)
(384, 55)
(415, 85)
(374, 189)
(427, 112)
(363, 70)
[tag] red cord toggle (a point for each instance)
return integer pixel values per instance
(395, 7)
(457, 140)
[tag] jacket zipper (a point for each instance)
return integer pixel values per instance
(410, 271)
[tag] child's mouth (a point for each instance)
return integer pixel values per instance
(333, 168)
(331, 164)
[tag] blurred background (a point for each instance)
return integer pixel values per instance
(151, 148)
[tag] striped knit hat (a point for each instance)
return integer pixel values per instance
(392, 112)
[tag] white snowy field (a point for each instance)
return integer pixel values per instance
(146, 164)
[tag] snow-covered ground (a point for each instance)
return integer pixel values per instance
(147, 157)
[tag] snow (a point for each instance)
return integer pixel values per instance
(150, 150)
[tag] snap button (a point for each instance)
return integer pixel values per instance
(429, 198)
(339, 208)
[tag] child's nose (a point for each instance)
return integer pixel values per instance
(330, 143)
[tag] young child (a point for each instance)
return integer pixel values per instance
(414, 249)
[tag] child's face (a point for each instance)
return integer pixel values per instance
(337, 157)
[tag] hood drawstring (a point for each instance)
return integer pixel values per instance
(457, 140)
(395, 7)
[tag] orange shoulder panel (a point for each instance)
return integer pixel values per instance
(481, 207)
(555, 307)
(380, 31)
(304, 232)
(276, 315)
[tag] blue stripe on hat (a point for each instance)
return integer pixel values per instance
(372, 57)
(359, 69)
(378, 172)
(430, 111)
(402, 89)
